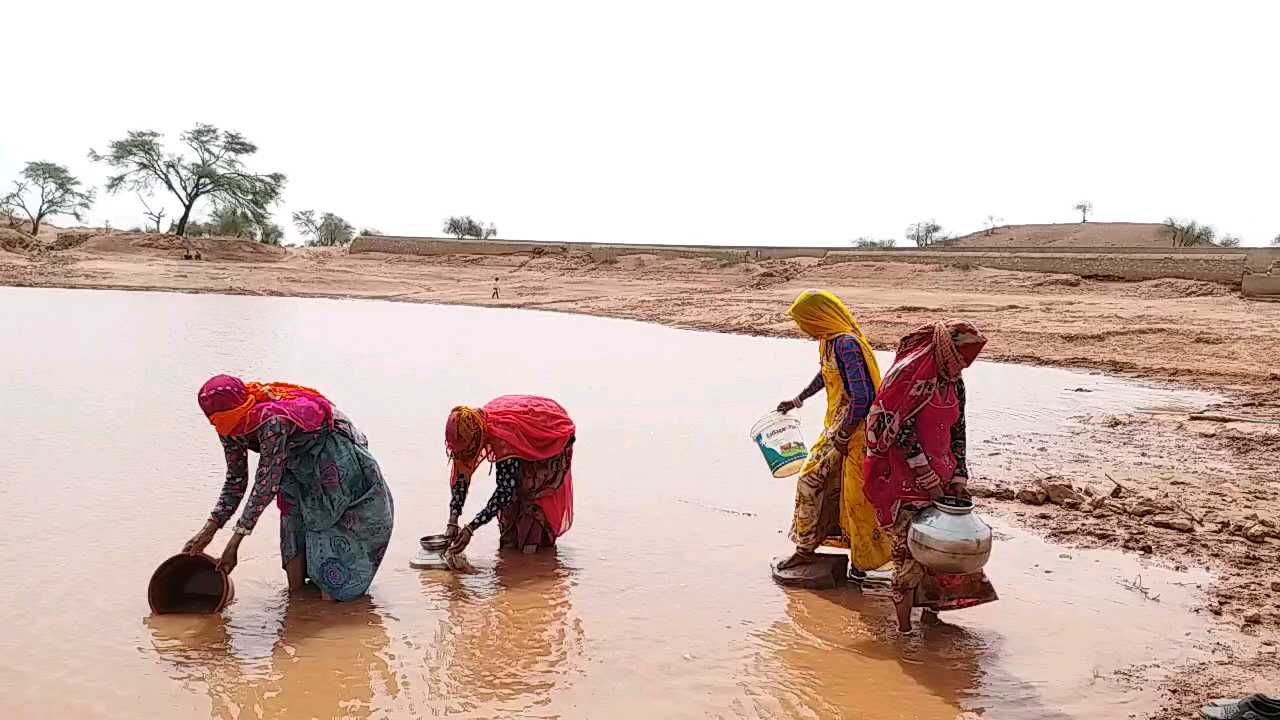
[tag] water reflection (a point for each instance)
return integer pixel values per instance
(838, 654)
(506, 640)
(327, 660)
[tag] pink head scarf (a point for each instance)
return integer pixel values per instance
(238, 408)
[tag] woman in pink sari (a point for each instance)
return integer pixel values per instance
(529, 440)
(916, 454)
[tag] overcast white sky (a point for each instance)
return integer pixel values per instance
(718, 122)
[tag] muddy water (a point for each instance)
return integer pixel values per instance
(657, 604)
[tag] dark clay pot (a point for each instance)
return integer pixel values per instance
(189, 583)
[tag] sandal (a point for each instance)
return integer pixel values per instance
(1254, 707)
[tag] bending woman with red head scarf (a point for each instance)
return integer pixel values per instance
(916, 454)
(336, 511)
(529, 440)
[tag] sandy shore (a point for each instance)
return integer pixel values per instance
(1195, 491)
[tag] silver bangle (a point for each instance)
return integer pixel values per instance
(240, 531)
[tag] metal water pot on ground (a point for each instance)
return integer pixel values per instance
(950, 537)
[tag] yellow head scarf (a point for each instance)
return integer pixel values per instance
(823, 316)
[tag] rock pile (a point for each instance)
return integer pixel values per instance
(1163, 512)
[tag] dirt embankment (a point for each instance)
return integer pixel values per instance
(1194, 490)
(1102, 235)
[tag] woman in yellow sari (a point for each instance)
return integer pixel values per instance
(830, 506)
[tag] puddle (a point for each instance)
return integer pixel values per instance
(657, 604)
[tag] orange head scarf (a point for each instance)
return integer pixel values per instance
(464, 432)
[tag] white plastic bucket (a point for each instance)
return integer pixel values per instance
(779, 439)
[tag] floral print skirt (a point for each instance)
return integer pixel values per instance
(340, 512)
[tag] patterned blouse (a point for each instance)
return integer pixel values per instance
(273, 441)
(857, 381)
(916, 457)
(508, 472)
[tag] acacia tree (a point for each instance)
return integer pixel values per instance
(1085, 207)
(326, 230)
(924, 233)
(212, 168)
(45, 189)
(461, 226)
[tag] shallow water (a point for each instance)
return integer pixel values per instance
(657, 604)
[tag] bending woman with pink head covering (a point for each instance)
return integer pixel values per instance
(916, 443)
(529, 440)
(336, 511)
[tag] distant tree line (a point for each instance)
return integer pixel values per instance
(1190, 233)
(206, 167)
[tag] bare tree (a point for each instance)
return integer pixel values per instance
(924, 233)
(155, 216)
(461, 226)
(215, 169)
(1275, 241)
(1189, 233)
(992, 222)
(45, 189)
(1085, 207)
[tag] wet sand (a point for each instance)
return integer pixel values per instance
(1166, 331)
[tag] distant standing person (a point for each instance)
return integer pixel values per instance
(495, 289)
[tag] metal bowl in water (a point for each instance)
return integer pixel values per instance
(431, 556)
(950, 537)
(435, 543)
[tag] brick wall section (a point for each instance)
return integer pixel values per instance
(1227, 266)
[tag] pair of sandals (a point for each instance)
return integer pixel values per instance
(1254, 707)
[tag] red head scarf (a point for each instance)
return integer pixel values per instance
(515, 426)
(919, 387)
